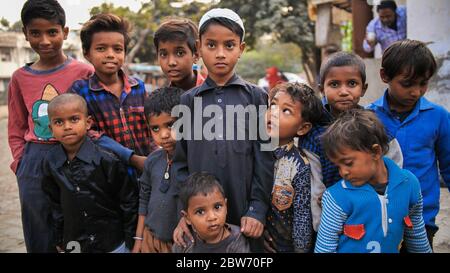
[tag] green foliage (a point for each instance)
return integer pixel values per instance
(253, 64)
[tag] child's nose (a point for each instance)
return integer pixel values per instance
(220, 53)
(172, 61)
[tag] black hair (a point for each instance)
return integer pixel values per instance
(357, 129)
(66, 98)
(339, 59)
(162, 100)
(177, 29)
(104, 22)
(410, 57)
(199, 183)
(225, 22)
(311, 103)
(387, 4)
(49, 10)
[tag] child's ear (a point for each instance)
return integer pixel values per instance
(383, 76)
(377, 151)
(66, 32)
(24, 30)
(304, 128)
(197, 45)
(89, 122)
(364, 89)
(241, 48)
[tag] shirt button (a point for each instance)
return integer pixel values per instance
(91, 237)
(219, 100)
(390, 221)
(85, 214)
(78, 189)
(251, 208)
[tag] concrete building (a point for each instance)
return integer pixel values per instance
(15, 52)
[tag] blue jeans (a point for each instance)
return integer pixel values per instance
(36, 213)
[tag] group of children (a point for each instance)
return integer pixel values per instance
(100, 165)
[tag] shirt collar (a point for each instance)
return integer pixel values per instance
(96, 85)
(283, 150)
(209, 84)
(86, 153)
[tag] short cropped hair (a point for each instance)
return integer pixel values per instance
(162, 100)
(357, 129)
(61, 100)
(340, 59)
(199, 183)
(410, 57)
(225, 22)
(104, 22)
(311, 103)
(49, 10)
(177, 29)
(387, 4)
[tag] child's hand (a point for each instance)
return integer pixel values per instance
(269, 243)
(138, 161)
(251, 227)
(181, 229)
(137, 246)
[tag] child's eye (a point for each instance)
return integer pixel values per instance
(100, 48)
(53, 32)
(406, 84)
(162, 54)
(334, 84)
(352, 83)
(348, 163)
(170, 125)
(75, 119)
(287, 111)
(58, 122)
(200, 212)
(211, 45)
(218, 206)
(34, 34)
(180, 53)
(118, 49)
(229, 45)
(155, 129)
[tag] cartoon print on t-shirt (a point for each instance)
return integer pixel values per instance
(39, 114)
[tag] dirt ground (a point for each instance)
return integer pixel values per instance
(11, 236)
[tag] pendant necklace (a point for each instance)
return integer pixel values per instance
(169, 163)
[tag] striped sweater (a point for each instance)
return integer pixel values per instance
(359, 220)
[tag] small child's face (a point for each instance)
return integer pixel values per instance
(220, 49)
(284, 118)
(405, 92)
(357, 167)
(176, 60)
(69, 124)
(343, 87)
(107, 52)
(45, 37)
(161, 129)
(207, 215)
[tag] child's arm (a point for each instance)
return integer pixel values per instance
(139, 235)
(252, 224)
(443, 149)
(128, 196)
(415, 236)
(17, 122)
(51, 189)
(331, 225)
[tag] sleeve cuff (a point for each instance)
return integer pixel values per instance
(258, 211)
(121, 151)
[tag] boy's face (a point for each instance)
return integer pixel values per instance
(107, 52)
(45, 37)
(176, 60)
(403, 92)
(220, 49)
(387, 17)
(161, 129)
(284, 118)
(343, 87)
(358, 167)
(69, 124)
(207, 215)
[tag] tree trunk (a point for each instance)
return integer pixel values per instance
(143, 35)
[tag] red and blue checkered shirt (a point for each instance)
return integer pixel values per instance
(123, 118)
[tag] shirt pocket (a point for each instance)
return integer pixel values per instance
(355, 232)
